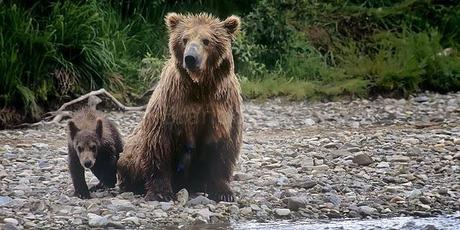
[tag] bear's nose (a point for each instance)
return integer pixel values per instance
(190, 62)
(88, 164)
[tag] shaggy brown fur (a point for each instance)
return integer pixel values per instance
(95, 143)
(193, 118)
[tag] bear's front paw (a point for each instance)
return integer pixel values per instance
(227, 197)
(155, 196)
(82, 195)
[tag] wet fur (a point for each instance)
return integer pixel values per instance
(181, 112)
(110, 146)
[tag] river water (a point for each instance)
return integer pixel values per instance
(403, 223)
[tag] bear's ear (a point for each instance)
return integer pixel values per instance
(99, 128)
(232, 24)
(172, 20)
(73, 129)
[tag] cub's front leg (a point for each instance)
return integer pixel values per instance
(78, 176)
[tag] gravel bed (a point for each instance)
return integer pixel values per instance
(300, 160)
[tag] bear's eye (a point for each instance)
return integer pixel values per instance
(93, 148)
(79, 148)
(205, 42)
(185, 40)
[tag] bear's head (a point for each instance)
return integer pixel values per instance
(86, 143)
(201, 43)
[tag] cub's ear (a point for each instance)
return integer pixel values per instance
(73, 129)
(172, 20)
(232, 24)
(99, 128)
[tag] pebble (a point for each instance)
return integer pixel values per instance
(5, 200)
(199, 200)
(294, 203)
(121, 205)
(366, 210)
(11, 221)
(282, 211)
(398, 158)
(131, 219)
(383, 164)
(95, 220)
(362, 159)
(246, 210)
(182, 197)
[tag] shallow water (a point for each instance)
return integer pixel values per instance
(403, 223)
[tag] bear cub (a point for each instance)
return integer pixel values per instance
(93, 143)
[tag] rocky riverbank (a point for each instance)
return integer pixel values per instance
(300, 160)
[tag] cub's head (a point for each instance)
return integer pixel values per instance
(200, 43)
(86, 143)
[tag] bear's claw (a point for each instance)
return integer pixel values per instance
(227, 197)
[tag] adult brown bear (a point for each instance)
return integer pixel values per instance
(190, 135)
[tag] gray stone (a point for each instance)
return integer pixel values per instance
(95, 220)
(5, 200)
(131, 219)
(241, 177)
(205, 213)
(294, 203)
(366, 210)
(182, 197)
(282, 211)
(121, 205)
(456, 156)
(398, 158)
(421, 99)
(362, 159)
(246, 210)
(40, 145)
(159, 213)
(200, 200)
(383, 164)
(11, 221)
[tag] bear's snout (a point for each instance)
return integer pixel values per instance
(191, 58)
(88, 164)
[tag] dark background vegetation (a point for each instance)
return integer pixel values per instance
(54, 50)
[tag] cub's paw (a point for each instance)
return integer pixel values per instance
(98, 187)
(227, 197)
(82, 195)
(155, 196)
